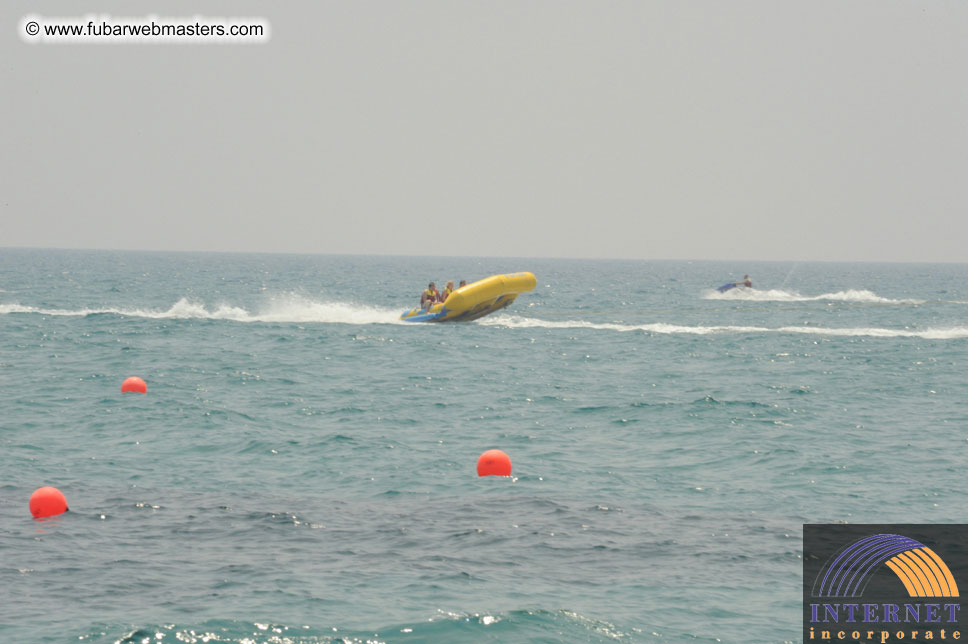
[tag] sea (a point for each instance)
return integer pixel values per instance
(302, 468)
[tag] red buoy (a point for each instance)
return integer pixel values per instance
(47, 502)
(134, 385)
(494, 462)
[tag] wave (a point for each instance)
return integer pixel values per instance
(852, 295)
(531, 625)
(290, 309)
(516, 322)
(294, 309)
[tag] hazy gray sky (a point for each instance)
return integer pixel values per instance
(809, 130)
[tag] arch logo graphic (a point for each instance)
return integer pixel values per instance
(883, 583)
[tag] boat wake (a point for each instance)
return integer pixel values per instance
(776, 295)
(295, 309)
(660, 328)
(288, 309)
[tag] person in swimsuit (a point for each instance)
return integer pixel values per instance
(429, 297)
(447, 291)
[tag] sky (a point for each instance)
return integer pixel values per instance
(669, 129)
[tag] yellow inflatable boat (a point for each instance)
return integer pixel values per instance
(476, 300)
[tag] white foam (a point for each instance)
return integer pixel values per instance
(775, 295)
(285, 309)
(300, 310)
(516, 322)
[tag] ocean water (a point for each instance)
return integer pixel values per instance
(302, 468)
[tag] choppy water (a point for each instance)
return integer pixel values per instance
(302, 468)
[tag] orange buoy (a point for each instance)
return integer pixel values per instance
(47, 502)
(134, 385)
(494, 462)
